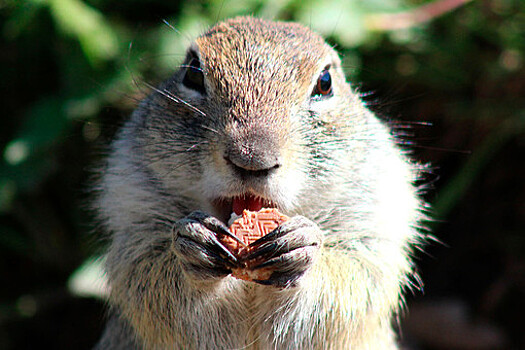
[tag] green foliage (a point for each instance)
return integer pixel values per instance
(88, 26)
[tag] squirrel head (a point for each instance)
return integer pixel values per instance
(255, 112)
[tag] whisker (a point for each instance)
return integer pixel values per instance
(171, 27)
(174, 98)
(205, 127)
(187, 37)
(175, 143)
(191, 148)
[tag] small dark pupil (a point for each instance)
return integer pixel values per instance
(325, 83)
(193, 78)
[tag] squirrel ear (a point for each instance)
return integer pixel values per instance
(193, 76)
(323, 87)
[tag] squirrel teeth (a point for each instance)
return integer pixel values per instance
(248, 202)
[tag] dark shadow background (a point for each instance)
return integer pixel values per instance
(453, 89)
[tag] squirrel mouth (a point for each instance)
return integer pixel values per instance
(225, 207)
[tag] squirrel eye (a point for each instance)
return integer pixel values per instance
(193, 77)
(324, 84)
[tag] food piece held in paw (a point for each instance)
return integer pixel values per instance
(251, 226)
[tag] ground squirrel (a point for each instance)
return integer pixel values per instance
(258, 115)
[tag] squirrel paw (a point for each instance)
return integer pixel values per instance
(288, 252)
(199, 252)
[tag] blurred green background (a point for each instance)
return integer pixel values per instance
(452, 83)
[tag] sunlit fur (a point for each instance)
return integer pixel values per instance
(341, 169)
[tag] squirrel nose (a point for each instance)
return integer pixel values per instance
(253, 155)
(252, 169)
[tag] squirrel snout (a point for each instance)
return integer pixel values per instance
(253, 156)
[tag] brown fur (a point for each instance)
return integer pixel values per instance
(340, 168)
